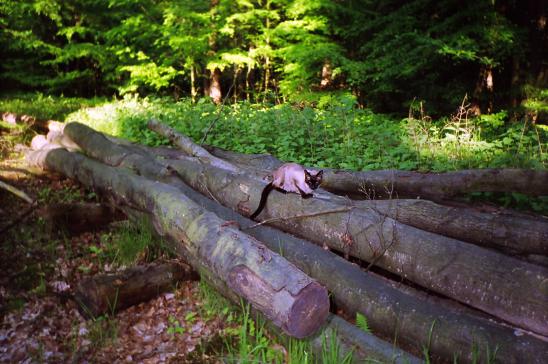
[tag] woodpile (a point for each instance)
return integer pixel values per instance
(425, 272)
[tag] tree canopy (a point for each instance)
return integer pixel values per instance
(382, 53)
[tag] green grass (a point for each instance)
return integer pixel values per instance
(336, 135)
(128, 243)
(247, 340)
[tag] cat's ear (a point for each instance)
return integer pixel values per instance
(319, 174)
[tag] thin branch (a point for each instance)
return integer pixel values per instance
(16, 192)
(218, 115)
(344, 209)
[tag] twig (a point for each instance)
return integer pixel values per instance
(376, 259)
(344, 209)
(218, 115)
(16, 192)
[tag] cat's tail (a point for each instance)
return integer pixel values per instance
(264, 196)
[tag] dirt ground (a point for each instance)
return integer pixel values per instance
(40, 267)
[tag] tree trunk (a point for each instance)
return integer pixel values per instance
(390, 312)
(193, 91)
(503, 229)
(288, 297)
(336, 333)
(509, 232)
(189, 147)
(109, 293)
(215, 86)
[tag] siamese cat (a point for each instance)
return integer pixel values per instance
(290, 177)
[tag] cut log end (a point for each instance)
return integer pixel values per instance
(299, 315)
(309, 311)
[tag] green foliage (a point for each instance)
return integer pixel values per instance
(331, 351)
(338, 135)
(361, 322)
(129, 242)
(43, 107)
(386, 53)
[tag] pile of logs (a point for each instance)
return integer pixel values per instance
(427, 273)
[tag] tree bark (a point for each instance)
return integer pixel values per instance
(109, 293)
(509, 232)
(215, 86)
(292, 300)
(189, 147)
(335, 332)
(464, 272)
(503, 229)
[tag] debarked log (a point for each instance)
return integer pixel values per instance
(292, 300)
(109, 293)
(510, 289)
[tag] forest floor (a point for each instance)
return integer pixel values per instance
(41, 266)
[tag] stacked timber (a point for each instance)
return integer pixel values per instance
(429, 276)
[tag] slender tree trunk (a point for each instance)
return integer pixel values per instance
(215, 86)
(193, 91)
(327, 75)
(267, 58)
(248, 83)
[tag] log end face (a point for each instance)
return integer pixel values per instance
(309, 311)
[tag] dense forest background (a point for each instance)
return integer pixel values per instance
(382, 55)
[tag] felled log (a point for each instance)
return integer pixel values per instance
(408, 184)
(501, 230)
(292, 300)
(110, 293)
(188, 147)
(492, 282)
(78, 217)
(503, 286)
